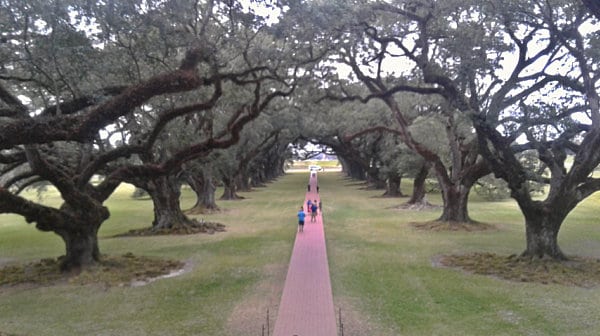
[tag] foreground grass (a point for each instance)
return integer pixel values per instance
(224, 268)
(384, 266)
(383, 273)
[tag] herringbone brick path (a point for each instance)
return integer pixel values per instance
(306, 307)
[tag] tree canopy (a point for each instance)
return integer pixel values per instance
(155, 92)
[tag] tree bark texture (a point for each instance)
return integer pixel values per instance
(230, 190)
(542, 238)
(374, 182)
(167, 209)
(393, 187)
(542, 224)
(455, 197)
(81, 246)
(79, 232)
(243, 182)
(418, 194)
(203, 186)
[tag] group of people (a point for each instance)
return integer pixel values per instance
(313, 208)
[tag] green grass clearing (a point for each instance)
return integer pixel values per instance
(382, 270)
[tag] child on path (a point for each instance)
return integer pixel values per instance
(313, 211)
(308, 205)
(301, 216)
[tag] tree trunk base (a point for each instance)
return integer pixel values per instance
(232, 198)
(259, 185)
(456, 221)
(421, 205)
(202, 210)
(191, 227)
(452, 226)
(393, 195)
(541, 256)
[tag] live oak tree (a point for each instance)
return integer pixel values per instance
(235, 163)
(551, 130)
(372, 42)
(498, 65)
(327, 123)
(57, 105)
(200, 176)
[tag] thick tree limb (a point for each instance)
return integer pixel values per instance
(47, 218)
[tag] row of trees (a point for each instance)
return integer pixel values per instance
(505, 82)
(143, 92)
(158, 93)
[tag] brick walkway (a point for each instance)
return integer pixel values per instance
(306, 307)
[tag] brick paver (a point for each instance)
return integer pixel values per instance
(306, 307)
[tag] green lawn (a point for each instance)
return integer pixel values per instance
(382, 272)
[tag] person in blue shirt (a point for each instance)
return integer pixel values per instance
(313, 211)
(301, 216)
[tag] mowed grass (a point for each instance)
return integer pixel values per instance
(382, 270)
(384, 267)
(224, 268)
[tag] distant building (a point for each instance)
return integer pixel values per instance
(324, 157)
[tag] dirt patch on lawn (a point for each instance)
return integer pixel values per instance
(577, 271)
(357, 323)
(250, 315)
(419, 206)
(125, 270)
(453, 226)
(202, 211)
(192, 228)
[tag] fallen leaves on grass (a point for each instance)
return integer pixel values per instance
(419, 206)
(452, 226)
(109, 271)
(577, 271)
(191, 228)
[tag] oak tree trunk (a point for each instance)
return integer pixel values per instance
(418, 194)
(393, 187)
(80, 235)
(541, 228)
(81, 246)
(204, 188)
(375, 182)
(229, 190)
(455, 198)
(167, 209)
(243, 182)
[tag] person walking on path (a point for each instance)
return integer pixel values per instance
(306, 305)
(313, 211)
(308, 205)
(301, 216)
